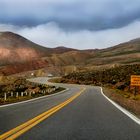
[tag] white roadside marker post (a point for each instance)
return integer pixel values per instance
(30, 93)
(21, 94)
(17, 95)
(11, 94)
(5, 96)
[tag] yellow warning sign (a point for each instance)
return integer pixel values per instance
(135, 80)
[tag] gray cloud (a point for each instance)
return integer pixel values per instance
(81, 24)
(71, 14)
(51, 35)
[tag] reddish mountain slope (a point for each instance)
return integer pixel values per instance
(18, 54)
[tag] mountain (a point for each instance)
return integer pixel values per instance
(122, 54)
(16, 49)
(125, 53)
(62, 49)
(18, 54)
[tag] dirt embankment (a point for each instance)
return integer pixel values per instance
(125, 99)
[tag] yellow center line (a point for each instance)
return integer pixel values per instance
(19, 130)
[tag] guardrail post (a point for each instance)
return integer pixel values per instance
(17, 95)
(5, 96)
(11, 94)
(21, 94)
(26, 93)
(30, 93)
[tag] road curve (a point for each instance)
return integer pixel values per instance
(88, 117)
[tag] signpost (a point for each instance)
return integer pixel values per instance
(135, 81)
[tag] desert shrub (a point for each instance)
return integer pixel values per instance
(119, 76)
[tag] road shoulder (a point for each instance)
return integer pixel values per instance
(122, 109)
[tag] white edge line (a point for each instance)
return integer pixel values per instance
(126, 112)
(33, 99)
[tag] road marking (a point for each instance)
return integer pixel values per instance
(30, 100)
(19, 130)
(126, 112)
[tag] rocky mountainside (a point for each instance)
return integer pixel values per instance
(16, 49)
(18, 54)
(122, 54)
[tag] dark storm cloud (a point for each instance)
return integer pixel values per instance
(81, 24)
(71, 14)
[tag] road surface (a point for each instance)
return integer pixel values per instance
(88, 116)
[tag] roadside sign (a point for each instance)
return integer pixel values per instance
(135, 80)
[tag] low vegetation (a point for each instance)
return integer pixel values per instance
(116, 83)
(18, 89)
(117, 77)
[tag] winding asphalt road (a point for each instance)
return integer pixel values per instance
(90, 116)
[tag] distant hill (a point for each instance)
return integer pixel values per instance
(62, 49)
(18, 54)
(16, 49)
(125, 53)
(122, 54)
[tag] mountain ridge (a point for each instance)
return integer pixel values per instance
(17, 51)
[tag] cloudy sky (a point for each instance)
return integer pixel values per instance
(82, 24)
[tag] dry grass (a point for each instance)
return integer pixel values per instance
(126, 100)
